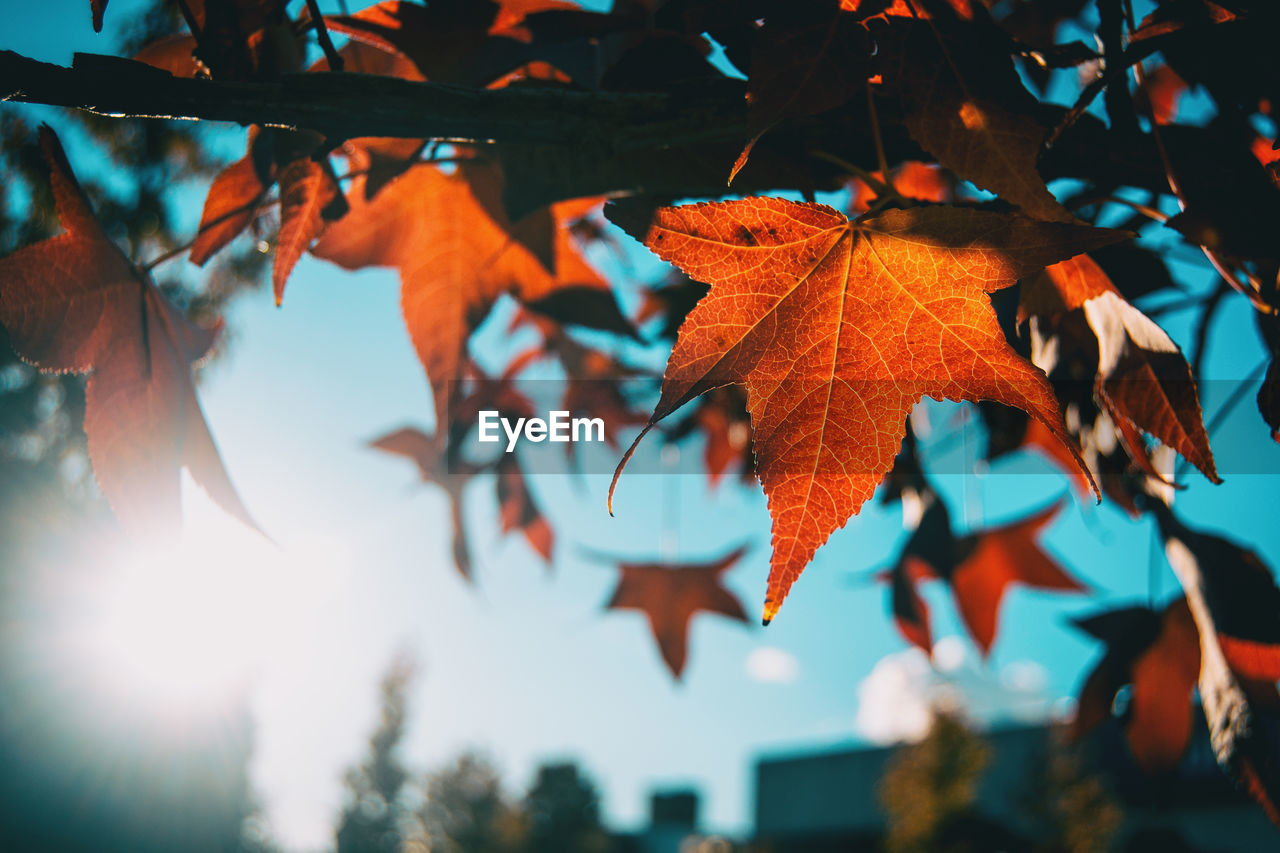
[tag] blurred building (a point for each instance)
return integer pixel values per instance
(673, 828)
(828, 800)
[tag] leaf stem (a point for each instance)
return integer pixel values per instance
(881, 188)
(1230, 403)
(1252, 292)
(261, 201)
(881, 161)
(322, 35)
(1146, 210)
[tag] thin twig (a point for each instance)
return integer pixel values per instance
(1254, 296)
(881, 161)
(1145, 210)
(1230, 403)
(322, 35)
(261, 201)
(882, 189)
(1202, 328)
(190, 18)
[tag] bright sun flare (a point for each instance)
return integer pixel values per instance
(182, 627)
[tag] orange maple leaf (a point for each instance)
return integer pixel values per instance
(233, 201)
(1159, 655)
(74, 303)
(837, 329)
(978, 567)
(455, 259)
(966, 106)
(1143, 380)
(670, 596)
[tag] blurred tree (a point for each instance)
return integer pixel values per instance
(930, 786)
(465, 810)
(374, 817)
(563, 812)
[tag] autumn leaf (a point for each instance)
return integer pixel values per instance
(1143, 380)
(966, 106)
(670, 596)
(455, 259)
(74, 303)
(232, 202)
(809, 57)
(427, 452)
(518, 511)
(440, 462)
(305, 190)
(837, 329)
(173, 53)
(1235, 603)
(978, 567)
(472, 42)
(98, 8)
(912, 179)
(1171, 17)
(1161, 89)
(1156, 654)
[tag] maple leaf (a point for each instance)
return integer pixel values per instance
(455, 259)
(233, 201)
(426, 452)
(518, 511)
(1235, 603)
(1157, 654)
(670, 596)
(74, 303)
(966, 106)
(837, 329)
(978, 568)
(912, 179)
(306, 189)
(172, 53)
(1143, 380)
(471, 42)
(98, 8)
(808, 57)
(1161, 89)
(1174, 16)
(440, 462)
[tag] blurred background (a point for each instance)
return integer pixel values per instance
(341, 686)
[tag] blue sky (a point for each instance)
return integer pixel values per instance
(524, 664)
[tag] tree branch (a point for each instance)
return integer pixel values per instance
(348, 105)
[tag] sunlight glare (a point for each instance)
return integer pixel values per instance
(183, 627)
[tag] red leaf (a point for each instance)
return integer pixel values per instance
(230, 207)
(455, 259)
(837, 329)
(1159, 655)
(517, 510)
(670, 596)
(996, 557)
(808, 57)
(966, 106)
(75, 303)
(305, 190)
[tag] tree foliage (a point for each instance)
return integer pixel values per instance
(470, 146)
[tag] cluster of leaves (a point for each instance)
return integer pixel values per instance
(959, 276)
